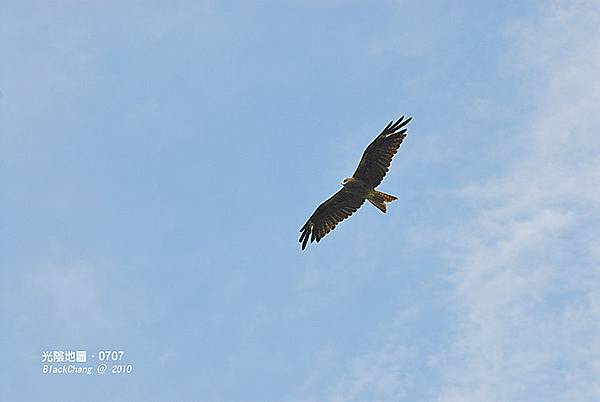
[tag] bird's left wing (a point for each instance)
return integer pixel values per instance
(331, 212)
(377, 158)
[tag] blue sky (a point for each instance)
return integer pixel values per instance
(158, 161)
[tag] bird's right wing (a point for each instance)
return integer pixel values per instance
(377, 158)
(331, 212)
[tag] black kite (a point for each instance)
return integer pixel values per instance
(371, 170)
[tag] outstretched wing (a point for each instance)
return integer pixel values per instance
(331, 212)
(377, 158)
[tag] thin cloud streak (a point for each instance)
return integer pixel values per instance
(529, 287)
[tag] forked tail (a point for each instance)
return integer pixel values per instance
(379, 199)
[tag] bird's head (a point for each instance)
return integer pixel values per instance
(347, 180)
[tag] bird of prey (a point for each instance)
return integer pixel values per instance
(373, 166)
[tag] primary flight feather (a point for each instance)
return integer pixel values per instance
(371, 170)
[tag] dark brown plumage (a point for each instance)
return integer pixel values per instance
(371, 170)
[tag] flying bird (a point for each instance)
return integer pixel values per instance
(371, 170)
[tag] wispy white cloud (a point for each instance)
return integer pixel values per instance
(69, 299)
(70, 303)
(384, 374)
(529, 286)
(66, 294)
(54, 52)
